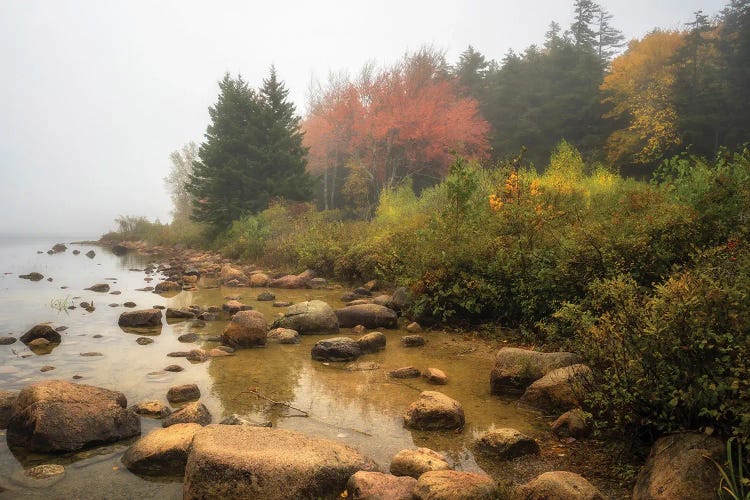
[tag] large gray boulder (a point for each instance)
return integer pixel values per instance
(433, 411)
(58, 416)
(247, 329)
(144, 317)
(677, 467)
(336, 349)
(162, 452)
(515, 369)
(560, 389)
(560, 485)
(314, 316)
(238, 461)
(367, 315)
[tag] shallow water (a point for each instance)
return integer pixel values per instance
(359, 408)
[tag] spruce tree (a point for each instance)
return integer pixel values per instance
(226, 183)
(283, 155)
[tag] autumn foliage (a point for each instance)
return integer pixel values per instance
(408, 120)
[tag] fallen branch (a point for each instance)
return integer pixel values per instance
(257, 394)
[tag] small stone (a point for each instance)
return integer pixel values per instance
(574, 423)
(178, 354)
(284, 336)
(46, 368)
(282, 303)
(144, 341)
(183, 393)
(413, 327)
(91, 354)
(506, 444)
(412, 341)
(8, 340)
(372, 342)
(187, 337)
(195, 413)
(173, 368)
(45, 471)
(265, 297)
(198, 355)
(218, 353)
(435, 376)
(99, 287)
(132, 304)
(359, 329)
(155, 409)
(414, 463)
(405, 372)
(40, 342)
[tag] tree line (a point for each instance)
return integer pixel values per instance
(626, 107)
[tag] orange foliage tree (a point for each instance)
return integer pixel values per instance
(407, 120)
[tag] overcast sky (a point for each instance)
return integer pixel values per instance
(96, 94)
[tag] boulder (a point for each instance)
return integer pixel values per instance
(400, 299)
(336, 349)
(412, 341)
(231, 276)
(382, 300)
(143, 317)
(372, 342)
(284, 336)
(293, 281)
(414, 463)
(161, 451)
(234, 306)
(560, 485)
(314, 316)
(433, 411)
(42, 331)
(455, 485)
(265, 297)
(191, 413)
(238, 461)
(247, 329)
(182, 313)
(99, 287)
(7, 399)
(167, 286)
(405, 372)
(413, 327)
(560, 389)
(506, 444)
(677, 467)
(258, 280)
(368, 315)
(575, 423)
(365, 485)
(515, 369)
(435, 376)
(118, 249)
(155, 409)
(187, 337)
(59, 416)
(183, 393)
(317, 283)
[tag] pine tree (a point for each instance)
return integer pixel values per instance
(608, 38)
(283, 155)
(471, 71)
(582, 30)
(226, 183)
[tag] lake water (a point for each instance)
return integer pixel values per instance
(361, 408)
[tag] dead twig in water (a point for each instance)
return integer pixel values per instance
(257, 394)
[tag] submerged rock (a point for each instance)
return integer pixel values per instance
(283, 336)
(405, 372)
(182, 313)
(155, 409)
(412, 341)
(99, 287)
(58, 416)
(237, 461)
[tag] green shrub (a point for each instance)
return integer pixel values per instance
(672, 358)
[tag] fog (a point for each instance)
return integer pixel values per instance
(96, 94)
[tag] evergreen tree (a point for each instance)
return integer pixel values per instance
(282, 153)
(226, 183)
(471, 71)
(608, 38)
(582, 31)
